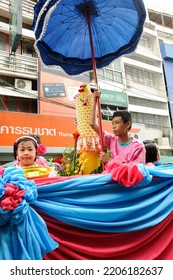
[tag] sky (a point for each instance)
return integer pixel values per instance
(166, 5)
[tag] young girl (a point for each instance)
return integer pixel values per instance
(25, 151)
(41, 149)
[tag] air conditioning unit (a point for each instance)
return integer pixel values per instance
(23, 84)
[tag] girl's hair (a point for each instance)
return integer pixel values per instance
(148, 142)
(23, 139)
(36, 137)
(151, 152)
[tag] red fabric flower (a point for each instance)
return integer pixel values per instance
(81, 88)
(76, 135)
(41, 150)
(12, 197)
(58, 159)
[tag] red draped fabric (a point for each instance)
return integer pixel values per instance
(154, 243)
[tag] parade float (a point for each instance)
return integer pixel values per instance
(122, 213)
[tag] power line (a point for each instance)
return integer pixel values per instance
(65, 103)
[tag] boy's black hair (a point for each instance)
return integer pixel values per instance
(125, 115)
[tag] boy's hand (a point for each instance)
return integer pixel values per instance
(104, 157)
(96, 94)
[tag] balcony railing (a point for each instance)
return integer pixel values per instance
(27, 8)
(18, 65)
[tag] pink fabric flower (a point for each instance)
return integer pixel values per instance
(2, 169)
(41, 150)
(126, 174)
(85, 102)
(12, 197)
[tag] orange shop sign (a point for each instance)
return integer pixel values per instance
(54, 131)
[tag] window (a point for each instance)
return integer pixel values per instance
(168, 21)
(24, 106)
(108, 110)
(147, 103)
(137, 75)
(4, 19)
(112, 72)
(156, 17)
(160, 18)
(29, 51)
(109, 75)
(146, 41)
(141, 76)
(2, 103)
(106, 115)
(27, 48)
(2, 42)
(116, 65)
(17, 104)
(150, 120)
(27, 26)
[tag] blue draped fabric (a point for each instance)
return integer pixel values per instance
(91, 202)
(23, 233)
(28, 240)
(98, 203)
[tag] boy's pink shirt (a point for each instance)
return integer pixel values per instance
(134, 152)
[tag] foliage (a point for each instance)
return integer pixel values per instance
(69, 163)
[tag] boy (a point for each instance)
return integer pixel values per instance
(120, 143)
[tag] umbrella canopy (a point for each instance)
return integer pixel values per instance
(73, 33)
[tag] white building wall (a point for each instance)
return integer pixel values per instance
(148, 59)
